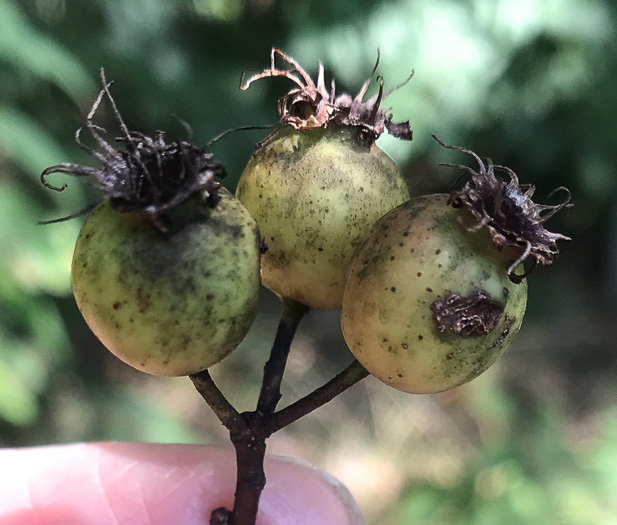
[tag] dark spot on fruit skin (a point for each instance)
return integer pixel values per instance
(143, 300)
(429, 289)
(509, 323)
(405, 346)
(419, 274)
(405, 234)
(450, 356)
(210, 296)
(393, 289)
(399, 375)
(117, 305)
(437, 252)
(420, 337)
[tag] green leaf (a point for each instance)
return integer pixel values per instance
(18, 403)
(27, 142)
(28, 49)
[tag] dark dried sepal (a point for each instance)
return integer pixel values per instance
(149, 174)
(312, 105)
(472, 316)
(507, 210)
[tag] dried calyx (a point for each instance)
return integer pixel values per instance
(148, 174)
(506, 209)
(312, 105)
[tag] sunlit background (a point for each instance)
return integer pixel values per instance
(530, 83)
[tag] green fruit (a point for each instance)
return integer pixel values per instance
(428, 304)
(315, 194)
(172, 303)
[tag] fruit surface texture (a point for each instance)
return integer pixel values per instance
(171, 303)
(315, 195)
(428, 304)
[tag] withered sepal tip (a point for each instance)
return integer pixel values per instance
(506, 209)
(312, 105)
(148, 173)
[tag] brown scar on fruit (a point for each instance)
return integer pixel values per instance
(313, 105)
(471, 316)
(508, 212)
(509, 324)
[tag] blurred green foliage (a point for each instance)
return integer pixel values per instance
(544, 477)
(529, 82)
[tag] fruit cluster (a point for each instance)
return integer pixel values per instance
(431, 288)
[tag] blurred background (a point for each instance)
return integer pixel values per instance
(530, 83)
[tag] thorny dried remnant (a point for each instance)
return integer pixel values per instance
(507, 210)
(312, 105)
(148, 174)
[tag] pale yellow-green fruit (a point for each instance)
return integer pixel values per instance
(169, 304)
(428, 305)
(315, 195)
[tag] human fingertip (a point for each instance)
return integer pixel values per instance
(301, 493)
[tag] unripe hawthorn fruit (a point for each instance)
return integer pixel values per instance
(317, 184)
(435, 294)
(171, 303)
(166, 270)
(315, 194)
(428, 305)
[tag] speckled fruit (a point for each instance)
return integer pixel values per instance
(428, 305)
(315, 195)
(169, 304)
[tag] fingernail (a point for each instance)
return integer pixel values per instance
(349, 503)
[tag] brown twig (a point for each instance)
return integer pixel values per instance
(247, 431)
(291, 314)
(227, 414)
(354, 373)
(250, 430)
